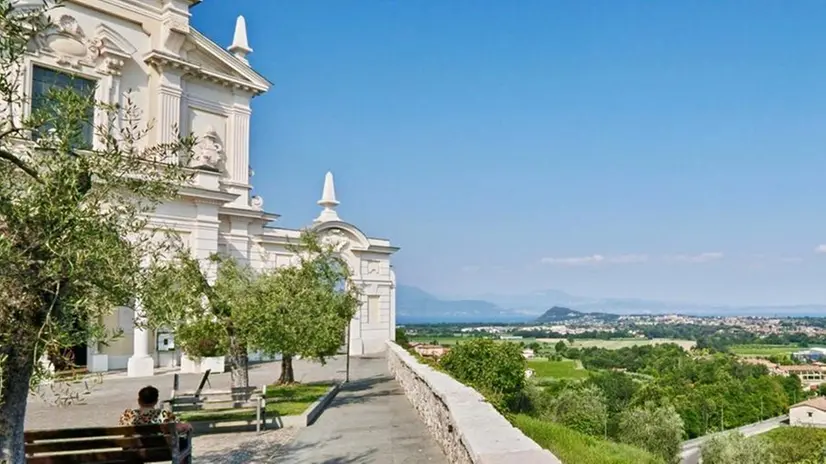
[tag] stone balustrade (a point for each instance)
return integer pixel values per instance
(468, 428)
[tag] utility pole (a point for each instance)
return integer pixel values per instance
(347, 371)
(761, 408)
(722, 411)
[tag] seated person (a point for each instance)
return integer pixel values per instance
(147, 413)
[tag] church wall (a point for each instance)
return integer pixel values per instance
(220, 215)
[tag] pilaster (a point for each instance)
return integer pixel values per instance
(169, 106)
(240, 123)
(205, 236)
(392, 304)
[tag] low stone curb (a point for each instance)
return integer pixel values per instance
(271, 423)
(312, 413)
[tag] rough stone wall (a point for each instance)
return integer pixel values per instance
(468, 428)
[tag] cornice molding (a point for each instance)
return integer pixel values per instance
(207, 196)
(248, 213)
(161, 60)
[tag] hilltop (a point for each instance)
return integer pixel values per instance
(560, 314)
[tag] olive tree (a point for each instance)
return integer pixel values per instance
(734, 448)
(73, 216)
(209, 304)
(656, 429)
(304, 308)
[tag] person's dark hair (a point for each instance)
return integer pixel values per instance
(148, 395)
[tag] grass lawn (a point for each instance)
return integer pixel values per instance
(566, 369)
(571, 446)
(282, 400)
(763, 350)
(621, 342)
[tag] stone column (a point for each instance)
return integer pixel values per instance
(140, 363)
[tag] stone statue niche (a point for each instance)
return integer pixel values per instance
(209, 153)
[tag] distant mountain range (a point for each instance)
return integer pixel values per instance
(414, 305)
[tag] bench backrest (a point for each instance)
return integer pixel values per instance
(145, 443)
(241, 397)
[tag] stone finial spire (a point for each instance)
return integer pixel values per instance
(240, 48)
(328, 200)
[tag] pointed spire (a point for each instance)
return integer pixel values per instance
(240, 48)
(328, 200)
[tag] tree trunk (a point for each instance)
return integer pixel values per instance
(238, 363)
(287, 375)
(16, 374)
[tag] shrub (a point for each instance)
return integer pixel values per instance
(580, 408)
(734, 448)
(658, 430)
(571, 446)
(401, 339)
(794, 445)
(497, 370)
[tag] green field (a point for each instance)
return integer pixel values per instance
(763, 350)
(543, 368)
(621, 342)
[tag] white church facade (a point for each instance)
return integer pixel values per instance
(180, 78)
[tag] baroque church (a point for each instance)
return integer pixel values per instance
(179, 77)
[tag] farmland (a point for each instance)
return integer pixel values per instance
(763, 350)
(457, 339)
(578, 343)
(566, 369)
(621, 342)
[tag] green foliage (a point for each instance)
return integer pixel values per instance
(656, 429)
(66, 211)
(497, 370)
(401, 338)
(560, 347)
(582, 408)
(574, 447)
(794, 445)
(710, 392)
(734, 448)
(305, 309)
(202, 338)
(209, 316)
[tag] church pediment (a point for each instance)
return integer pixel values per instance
(209, 63)
(202, 58)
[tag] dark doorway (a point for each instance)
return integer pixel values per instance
(79, 355)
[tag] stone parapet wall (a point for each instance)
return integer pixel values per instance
(468, 428)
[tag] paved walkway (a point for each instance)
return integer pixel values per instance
(369, 421)
(101, 404)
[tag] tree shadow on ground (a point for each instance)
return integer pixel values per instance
(365, 390)
(254, 448)
(292, 452)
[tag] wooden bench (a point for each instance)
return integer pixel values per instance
(245, 398)
(138, 444)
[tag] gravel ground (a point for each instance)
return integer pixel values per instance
(240, 448)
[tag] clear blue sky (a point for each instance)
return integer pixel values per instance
(668, 150)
